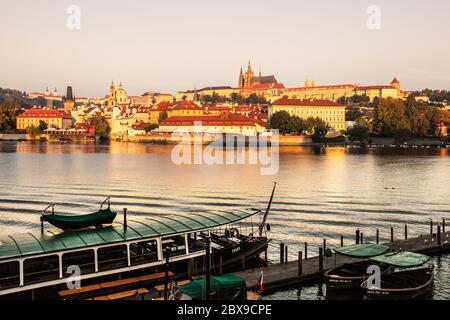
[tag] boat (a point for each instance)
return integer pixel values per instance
(37, 264)
(226, 287)
(66, 222)
(412, 281)
(351, 275)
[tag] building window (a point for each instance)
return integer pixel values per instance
(41, 269)
(112, 258)
(83, 259)
(9, 275)
(144, 252)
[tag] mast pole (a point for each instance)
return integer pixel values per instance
(263, 223)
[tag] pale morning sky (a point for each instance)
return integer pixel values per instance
(172, 45)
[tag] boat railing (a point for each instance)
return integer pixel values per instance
(52, 205)
(107, 200)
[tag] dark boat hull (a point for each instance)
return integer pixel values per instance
(403, 285)
(79, 222)
(233, 256)
(348, 276)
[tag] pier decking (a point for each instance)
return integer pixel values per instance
(284, 275)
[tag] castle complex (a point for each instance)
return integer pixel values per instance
(248, 79)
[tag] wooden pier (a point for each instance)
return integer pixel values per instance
(286, 275)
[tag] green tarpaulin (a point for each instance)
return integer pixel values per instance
(402, 259)
(363, 250)
(227, 287)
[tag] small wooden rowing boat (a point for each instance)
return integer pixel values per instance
(351, 275)
(65, 222)
(411, 283)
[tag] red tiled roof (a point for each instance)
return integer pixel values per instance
(306, 103)
(45, 113)
(186, 105)
(163, 106)
(229, 119)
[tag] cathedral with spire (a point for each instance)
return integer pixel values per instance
(249, 80)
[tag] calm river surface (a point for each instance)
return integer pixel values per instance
(321, 193)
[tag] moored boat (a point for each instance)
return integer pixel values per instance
(411, 282)
(351, 275)
(74, 222)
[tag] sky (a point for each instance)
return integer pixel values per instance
(173, 45)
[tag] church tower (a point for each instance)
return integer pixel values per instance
(69, 100)
(249, 75)
(112, 95)
(241, 82)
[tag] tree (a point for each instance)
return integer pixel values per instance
(150, 127)
(280, 120)
(8, 113)
(42, 126)
(162, 116)
(102, 128)
(358, 133)
(352, 113)
(33, 131)
(295, 125)
(390, 118)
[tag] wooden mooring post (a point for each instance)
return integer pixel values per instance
(281, 252)
(286, 254)
(300, 263)
(438, 235)
(392, 234)
(362, 237)
(431, 227)
(320, 260)
(443, 225)
(406, 231)
(378, 236)
(324, 245)
(357, 236)
(342, 241)
(306, 250)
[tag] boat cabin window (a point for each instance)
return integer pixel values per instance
(83, 259)
(196, 242)
(9, 275)
(175, 244)
(110, 258)
(144, 252)
(41, 269)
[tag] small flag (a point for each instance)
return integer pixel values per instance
(260, 282)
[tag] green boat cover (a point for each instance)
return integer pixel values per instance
(363, 250)
(226, 287)
(402, 259)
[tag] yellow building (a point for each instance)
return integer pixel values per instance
(53, 118)
(335, 92)
(226, 122)
(185, 108)
(329, 111)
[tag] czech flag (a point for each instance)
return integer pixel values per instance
(260, 282)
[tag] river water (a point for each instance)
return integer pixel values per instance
(321, 192)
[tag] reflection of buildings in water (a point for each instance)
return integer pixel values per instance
(54, 148)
